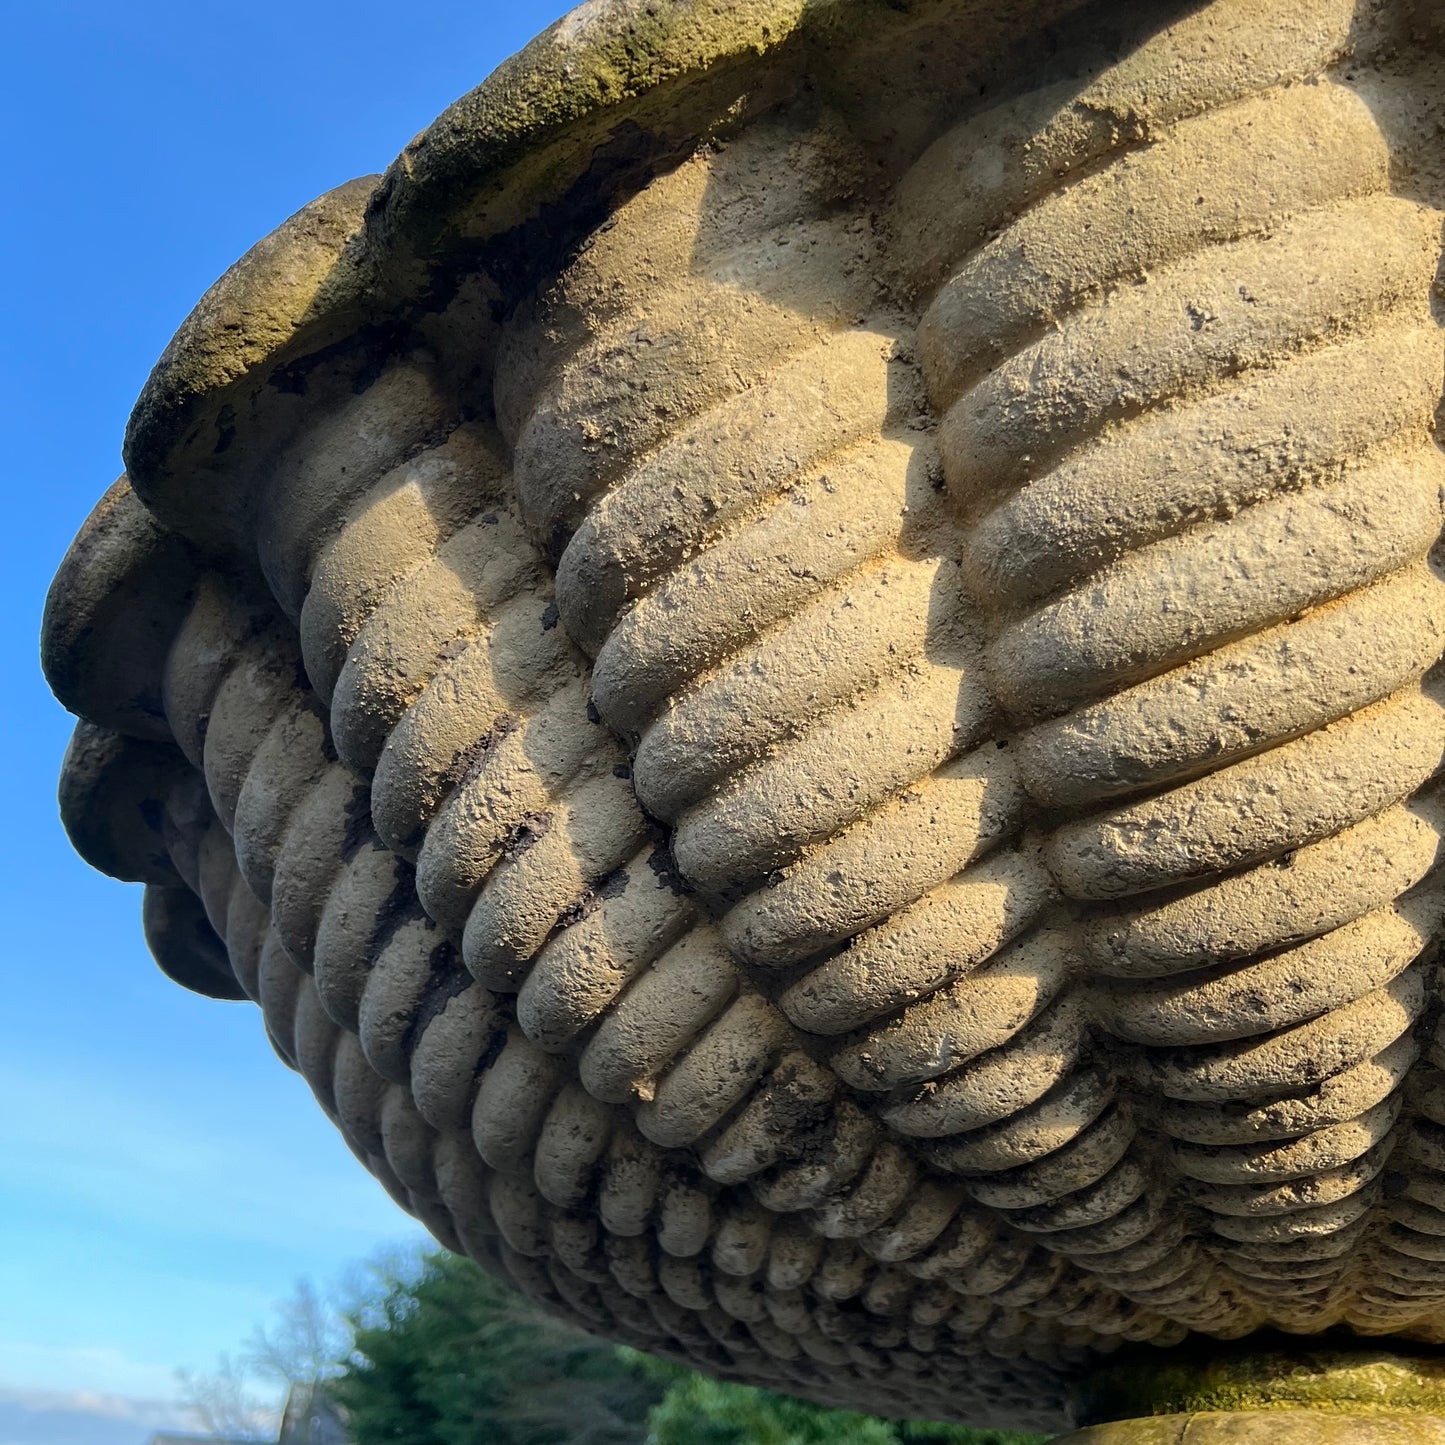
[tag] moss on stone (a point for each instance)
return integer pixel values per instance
(1355, 1382)
(1267, 1427)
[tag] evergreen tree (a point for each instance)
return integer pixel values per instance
(698, 1410)
(448, 1356)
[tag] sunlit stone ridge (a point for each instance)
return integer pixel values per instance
(799, 662)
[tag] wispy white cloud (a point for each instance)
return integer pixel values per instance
(100, 1144)
(94, 1372)
(154, 1414)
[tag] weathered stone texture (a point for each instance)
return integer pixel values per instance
(1256, 1427)
(799, 665)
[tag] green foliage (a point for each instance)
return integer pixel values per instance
(697, 1410)
(447, 1356)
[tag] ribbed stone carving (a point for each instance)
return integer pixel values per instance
(808, 697)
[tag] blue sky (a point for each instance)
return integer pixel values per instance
(163, 1179)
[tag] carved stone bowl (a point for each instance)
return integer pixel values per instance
(798, 662)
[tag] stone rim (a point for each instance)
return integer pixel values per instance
(520, 139)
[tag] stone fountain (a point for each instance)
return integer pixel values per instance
(799, 664)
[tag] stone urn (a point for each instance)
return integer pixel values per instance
(799, 664)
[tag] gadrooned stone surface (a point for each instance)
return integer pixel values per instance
(799, 664)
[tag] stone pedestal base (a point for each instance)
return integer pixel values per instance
(1252, 1394)
(1266, 1427)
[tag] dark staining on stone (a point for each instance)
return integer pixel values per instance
(490, 1051)
(1198, 318)
(358, 822)
(366, 353)
(149, 705)
(468, 763)
(399, 909)
(446, 980)
(180, 835)
(525, 834)
(664, 866)
(432, 438)
(557, 544)
(620, 165)
(791, 1109)
(225, 429)
(612, 886)
(550, 616)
